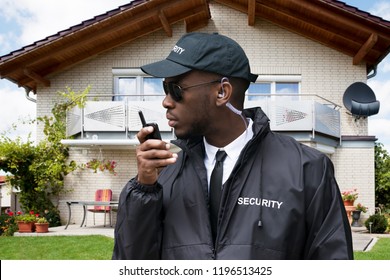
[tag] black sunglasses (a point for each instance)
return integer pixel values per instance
(176, 91)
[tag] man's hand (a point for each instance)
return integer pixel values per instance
(152, 155)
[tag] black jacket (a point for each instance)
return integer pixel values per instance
(280, 202)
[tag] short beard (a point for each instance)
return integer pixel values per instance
(201, 125)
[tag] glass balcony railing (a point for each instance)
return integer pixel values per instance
(107, 119)
(303, 113)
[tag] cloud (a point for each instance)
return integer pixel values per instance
(379, 124)
(15, 109)
(385, 66)
(381, 9)
(377, 128)
(382, 92)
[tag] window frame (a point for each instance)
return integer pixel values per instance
(273, 80)
(138, 74)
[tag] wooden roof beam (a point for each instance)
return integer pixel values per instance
(320, 34)
(113, 43)
(365, 49)
(193, 25)
(334, 21)
(36, 77)
(70, 45)
(251, 12)
(165, 23)
(130, 37)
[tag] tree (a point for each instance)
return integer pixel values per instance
(38, 170)
(16, 158)
(382, 176)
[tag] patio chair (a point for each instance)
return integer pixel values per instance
(102, 195)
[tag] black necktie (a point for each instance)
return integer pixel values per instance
(216, 189)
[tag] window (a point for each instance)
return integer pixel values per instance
(269, 86)
(286, 88)
(257, 91)
(134, 85)
(125, 85)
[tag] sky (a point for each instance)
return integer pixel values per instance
(23, 22)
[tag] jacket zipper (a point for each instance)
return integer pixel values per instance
(241, 159)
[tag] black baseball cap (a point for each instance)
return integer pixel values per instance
(206, 52)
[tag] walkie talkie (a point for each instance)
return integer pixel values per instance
(156, 131)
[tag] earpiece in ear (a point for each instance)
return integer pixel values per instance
(221, 94)
(224, 79)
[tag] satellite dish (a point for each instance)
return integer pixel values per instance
(360, 100)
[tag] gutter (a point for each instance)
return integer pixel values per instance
(28, 96)
(373, 74)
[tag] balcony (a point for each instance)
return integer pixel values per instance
(308, 118)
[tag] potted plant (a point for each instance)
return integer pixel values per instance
(356, 214)
(101, 165)
(360, 207)
(349, 197)
(26, 222)
(41, 225)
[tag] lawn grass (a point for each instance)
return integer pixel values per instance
(380, 251)
(92, 247)
(96, 247)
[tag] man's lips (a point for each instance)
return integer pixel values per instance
(171, 120)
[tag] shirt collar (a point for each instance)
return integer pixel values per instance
(234, 148)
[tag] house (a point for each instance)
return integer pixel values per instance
(307, 54)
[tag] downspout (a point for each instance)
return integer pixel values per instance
(28, 96)
(373, 74)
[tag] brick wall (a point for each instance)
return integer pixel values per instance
(354, 168)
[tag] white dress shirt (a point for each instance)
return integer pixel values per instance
(232, 150)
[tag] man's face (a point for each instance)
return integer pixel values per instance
(191, 115)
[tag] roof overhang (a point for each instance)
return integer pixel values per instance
(364, 37)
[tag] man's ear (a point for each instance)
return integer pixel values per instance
(224, 93)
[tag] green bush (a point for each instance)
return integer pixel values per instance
(53, 217)
(379, 223)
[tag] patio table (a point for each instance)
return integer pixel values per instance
(85, 204)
